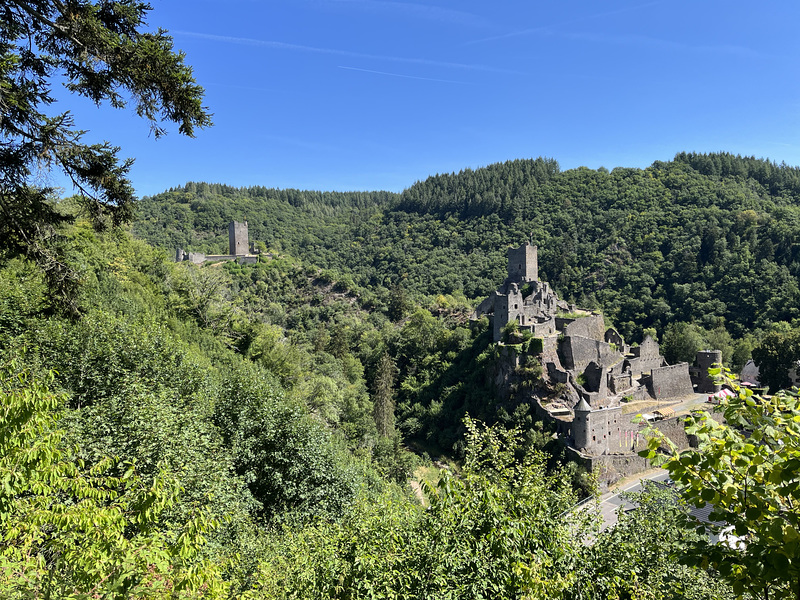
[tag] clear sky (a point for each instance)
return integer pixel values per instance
(375, 95)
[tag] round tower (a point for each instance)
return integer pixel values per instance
(705, 360)
(581, 425)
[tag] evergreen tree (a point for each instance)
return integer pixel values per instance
(383, 396)
(102, 52)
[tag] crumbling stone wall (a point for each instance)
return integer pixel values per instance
(485, 307)
(646, 357)
(620, 383)
(612, 336)
(705, 360)
(750, 373)
(557, 375)
(545, 327)
(595, 379)
(640, 366)
(577, 352)
(629, 438)
(534, 312)
(671, 382)
(592, 327)
(500, 316)
(542, 298)
(648, 349)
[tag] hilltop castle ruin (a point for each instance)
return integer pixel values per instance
(596, 371)
(238, 243)
(522, 297)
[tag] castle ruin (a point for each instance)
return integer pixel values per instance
(238, 238)
(239, 247)
(597, 371)
(522, 297)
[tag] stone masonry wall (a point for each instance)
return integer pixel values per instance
(578, 352)
(645, 357)
(614, 466)
(544, 328)
(592, 327)
(523, 263)
(487, 306)
(675, 430)
(238, 238)
(705, 360)
(671, 382)
(645, 365)
(648, 349)
(610, 467)
(620, 383)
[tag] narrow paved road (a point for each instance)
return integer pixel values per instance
(610, 502)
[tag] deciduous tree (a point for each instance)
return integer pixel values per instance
(72, 530)
(748, 470)
(775, 355)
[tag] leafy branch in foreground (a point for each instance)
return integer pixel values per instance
(70, 530)
(748, 470)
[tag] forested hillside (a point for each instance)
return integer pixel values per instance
(325, 422)
(249, 430)
(704, 246)
(228, 431)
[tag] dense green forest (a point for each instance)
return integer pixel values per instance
(227, 430)
(215, 431)
(324, 423)
(705, 245)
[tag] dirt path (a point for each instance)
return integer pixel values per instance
(417, 489)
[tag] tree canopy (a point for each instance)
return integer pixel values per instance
(264, 392)
(101, 51)
(776, 355)
(703, 244)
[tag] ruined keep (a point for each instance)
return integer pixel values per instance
(237, 238)
(597, 371)
(522, 297)
(523, 263)
(238, 243)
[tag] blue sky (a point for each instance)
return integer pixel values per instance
(371, 94)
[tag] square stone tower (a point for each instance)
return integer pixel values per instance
(523, 263)
(237, 236)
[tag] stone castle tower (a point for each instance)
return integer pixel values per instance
(598, 431)
(535, 311)
(581, 425)
(705, 360)
(238, 238)
(523, 263)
